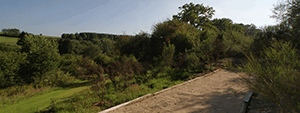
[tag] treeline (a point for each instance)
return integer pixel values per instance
(88, 36)
(11, 32)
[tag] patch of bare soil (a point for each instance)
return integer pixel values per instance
(209, 94)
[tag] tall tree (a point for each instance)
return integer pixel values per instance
(42, 59)
(195, 15)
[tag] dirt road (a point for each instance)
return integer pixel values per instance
(210, 94)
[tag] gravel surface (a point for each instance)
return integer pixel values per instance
(210, 94)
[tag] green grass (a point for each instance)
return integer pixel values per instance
(84, 101)
(6, 39)
(76, 99)
(41, 101)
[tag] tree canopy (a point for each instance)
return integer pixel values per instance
(195, 15)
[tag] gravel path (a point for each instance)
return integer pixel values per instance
(210, 94)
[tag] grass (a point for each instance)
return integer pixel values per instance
(30, 103)
(39, 102)
(85, 101)
(74, 97)
(6, 39)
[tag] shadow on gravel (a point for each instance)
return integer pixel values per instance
(215, 102)
(219, 100)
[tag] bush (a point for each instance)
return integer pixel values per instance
(69, 64)
(9, 48)
(167, 54)
(9, 67)
(103, 59)
(193, 62)
(43, 59)
(276, 75)
(121, 72)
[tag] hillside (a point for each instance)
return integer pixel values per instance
(8, 39)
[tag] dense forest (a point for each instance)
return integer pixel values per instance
(190, 42)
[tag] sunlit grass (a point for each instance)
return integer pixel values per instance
(6, 39)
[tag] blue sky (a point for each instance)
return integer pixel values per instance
(55, 17)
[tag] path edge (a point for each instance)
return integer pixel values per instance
(156, 93)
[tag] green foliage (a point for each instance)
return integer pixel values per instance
(66, 46)
(138, 46)
(192, 61)
(182, 35)
(42, 60)
(276, 75)
(196, 15)
(222, 24)
(103, 59)
(287, 14)
(88, 36)
(91, 50)
(11, 32)
(9, 66)
(121, 72)
(9, 47)
(167, 54)
(69, 64)
(106, 44)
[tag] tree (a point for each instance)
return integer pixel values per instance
(65, 46)
(138, 46)
(286, 14)
(64, 36)
(11, 32)
(182, 35)
(72, 37)
(83, 35)
(195, 15)
(9, 66)
(42, 60)
(222, 24)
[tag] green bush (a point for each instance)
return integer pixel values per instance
(43, 59)
(8, 47)
(103, 59)
(9, 67)
(167, 54)
(276, 75)
(69, 64)
(193, 62)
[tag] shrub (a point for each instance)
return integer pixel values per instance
(69, 64)
(9, 66)
(103, 59)
(8, 47)
(121, 72)
(276, 75)
(193, 62)
(42, 58)
(167, 54)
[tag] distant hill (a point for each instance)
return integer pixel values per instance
(13, 39)
(90, 36)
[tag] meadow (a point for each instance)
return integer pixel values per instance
(5, 39)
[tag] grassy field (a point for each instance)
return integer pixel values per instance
(41, 101)
(13, 40)
(6, 39)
